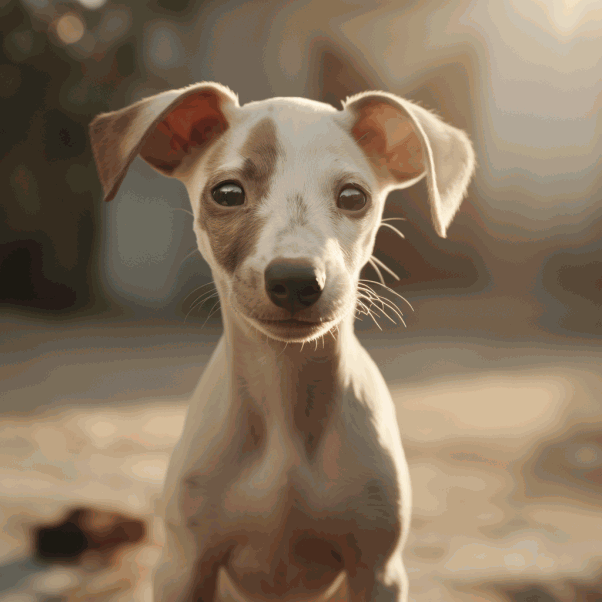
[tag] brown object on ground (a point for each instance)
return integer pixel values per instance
(87, 532)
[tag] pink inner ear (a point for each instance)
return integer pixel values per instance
(191, 124)
(389, 140)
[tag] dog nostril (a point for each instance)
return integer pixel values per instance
(308, 291)
(279, 289)
(292, 284)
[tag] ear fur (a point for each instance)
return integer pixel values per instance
(405, 142)
(162, 129)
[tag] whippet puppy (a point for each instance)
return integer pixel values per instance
(289, 474)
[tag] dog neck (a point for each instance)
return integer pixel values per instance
(280, 376)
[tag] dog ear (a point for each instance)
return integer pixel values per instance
(162, 129)
(405, 142)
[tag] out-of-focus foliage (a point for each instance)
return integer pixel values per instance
(61, 63)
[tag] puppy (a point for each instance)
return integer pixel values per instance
(289, 475)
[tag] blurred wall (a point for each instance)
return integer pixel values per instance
(523, 257)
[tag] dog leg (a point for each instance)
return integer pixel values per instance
(375, 584)
(180, 579)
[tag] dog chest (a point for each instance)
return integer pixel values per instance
(272, 474)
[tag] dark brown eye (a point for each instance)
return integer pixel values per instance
(228, 194)
(351, 199)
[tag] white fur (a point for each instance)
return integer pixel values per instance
(355, 483)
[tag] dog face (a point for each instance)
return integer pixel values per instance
(287, 194)
(290, 185)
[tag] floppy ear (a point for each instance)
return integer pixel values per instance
(404, 142)
(163, 129)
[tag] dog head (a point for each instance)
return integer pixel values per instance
(287, 193)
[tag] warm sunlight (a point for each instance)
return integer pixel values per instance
(567, 17)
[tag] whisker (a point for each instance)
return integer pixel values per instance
(360, 309)
(369, 313)
(362, 137)
(388, 303)
(395, 309)
(384, 313)
(385, 267)
(214, 309)
(206, 296)
(368, 294)
(374, 320)
(390, 219)
(378, 272)
(189, 255)
(199, 303)
(283, 349)
(389, 289)
(366, 297)
(198, 288)
(385, 225)
(211, 293)
(383, 301)
(181, 209)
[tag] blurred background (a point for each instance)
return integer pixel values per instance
(497, 375)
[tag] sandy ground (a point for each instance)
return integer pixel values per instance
(503, 440)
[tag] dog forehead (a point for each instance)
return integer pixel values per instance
(290, 145)
(296, 134)
(297, 122)
(281, 105)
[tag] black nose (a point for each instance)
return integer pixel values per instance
(293, 284)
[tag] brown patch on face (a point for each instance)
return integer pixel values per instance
(216, 152)
(233, 231)
(261, 152)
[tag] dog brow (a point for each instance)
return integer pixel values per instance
(250, 171)
(261, 152)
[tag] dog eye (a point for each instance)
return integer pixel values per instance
(228, 194)
(351, 199)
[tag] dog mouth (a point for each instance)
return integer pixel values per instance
(293, 322)
(295, 330)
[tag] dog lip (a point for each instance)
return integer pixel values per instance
(290, 321)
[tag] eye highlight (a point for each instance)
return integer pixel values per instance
(351, 199)
(228, 194)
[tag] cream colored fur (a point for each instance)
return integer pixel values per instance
(291, 433)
